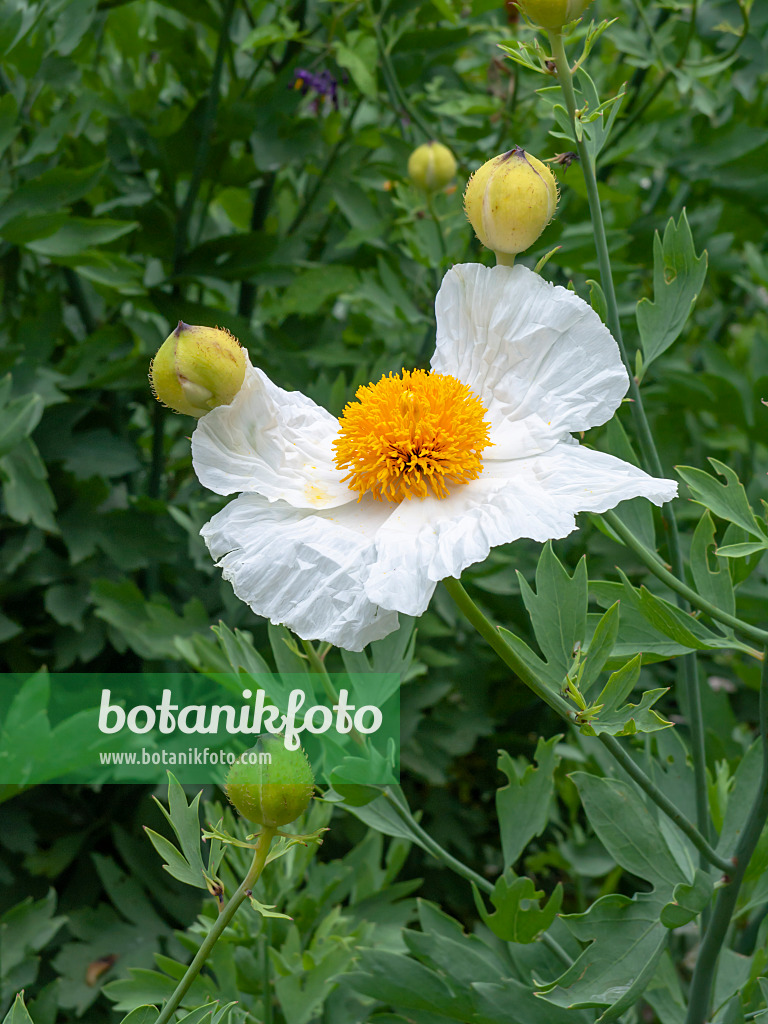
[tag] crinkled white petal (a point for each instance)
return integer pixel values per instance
(303, 569)
(424, 541)
(271, 442)
(591, 481)
(537, 355)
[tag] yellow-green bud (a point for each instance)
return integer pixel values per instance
(275, 793)
(431, 166)
(196, 369)
(510, 200)
(553, 14)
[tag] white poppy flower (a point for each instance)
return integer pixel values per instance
(341, 524)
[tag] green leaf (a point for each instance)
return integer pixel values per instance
(381, 815)
(18, 419)
(273, 32)
(678, 276)
(518, 917)
(26, 494)
(79, 234)
(626, 940)
(689, 900)
(24, 930)
(405, 983)
(9, 126)
(142, 1015)
(359, 56)
(511, 1002)
(558, 609)
(598, 303)
(18, 1013)
(145, 988)
(626, 829)
(523, 805)
(728, 501)
(184, 819)
(267, 910)
(740, 550)
(50, 191)
(713, 584)
(600, 649)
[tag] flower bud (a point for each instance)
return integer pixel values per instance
(431, 166)
(553, 14)
(196, 369)
(273, 793)
(510, 200)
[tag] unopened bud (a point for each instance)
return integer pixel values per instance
(510, 200)
(272, 793)
(553, 14)
(431, 166)
(196, 369)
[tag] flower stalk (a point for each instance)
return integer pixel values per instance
(647, 444)
(704, 973)
(656, 566)
(242, 892)
(489, 632)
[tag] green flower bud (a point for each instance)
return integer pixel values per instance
(196, 369)
(271, 794)
(553, 14)
(510, 200)
(431, 166)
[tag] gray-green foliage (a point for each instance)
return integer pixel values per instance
(143, 181)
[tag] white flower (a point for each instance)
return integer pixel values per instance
(300, 548)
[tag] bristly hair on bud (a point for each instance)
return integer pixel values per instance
(197, 369)
(509, 201)
(269, 784)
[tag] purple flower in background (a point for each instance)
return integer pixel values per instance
(323, 83)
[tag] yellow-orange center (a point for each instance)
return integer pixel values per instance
(412, 436)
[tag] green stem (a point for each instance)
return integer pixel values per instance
(644, 781)
(440, 234)
(263, 844)
(206, 131)
(397, 95)
(725, 904)
(510, 657)
(317, 667)
(657, 567)
(326, 170)
(647, 444)
(404, 812)
(611, 744)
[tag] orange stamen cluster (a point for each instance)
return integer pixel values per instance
(412, 436)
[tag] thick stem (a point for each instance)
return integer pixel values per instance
(491, 634)
(434, 847)
(725, 904)
(647, 444)
(263, 844)
(656, 566)
(687, 827)
(317, 667)
(611, 744)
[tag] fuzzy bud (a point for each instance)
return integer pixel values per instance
(271, 794)
(510, 200)
(196, 369)
(553, 14)
(431, 166)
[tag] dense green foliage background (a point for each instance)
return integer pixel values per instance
(157, 164)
